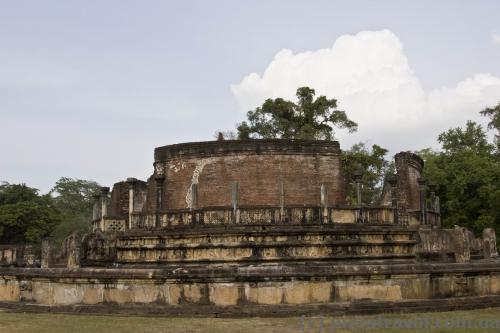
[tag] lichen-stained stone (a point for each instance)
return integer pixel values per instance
(297, 293)
(320, 292)
(461, 245)
(144, 293)
(42, 292)
(494, 284)
(9, 290)
(268, 294)
(441, 286)
(93, 294)
(375, 291)
(413, 286)
(224, 294)
(193, 293)
(306, 292)
(119, 294)
(489, 243)
(344, 216)
(174, 294)
(67, 294)
(479, 285)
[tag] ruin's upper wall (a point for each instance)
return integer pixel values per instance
(256, 146)
(268, 173)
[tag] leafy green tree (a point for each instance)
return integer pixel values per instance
(74, 198)
(309, 118)
(374, 165)
(25, 216)
(467, 171)
(494, 115)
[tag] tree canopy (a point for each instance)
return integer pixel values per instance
(374, 165)
(74, 199)
(494, 115)
(467, 170)
(25, 216)
(308, 118)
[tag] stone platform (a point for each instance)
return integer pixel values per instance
(259, 244)
(236, 289)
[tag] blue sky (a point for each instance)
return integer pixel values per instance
(89, 88)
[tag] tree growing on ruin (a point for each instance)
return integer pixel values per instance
(309, 118)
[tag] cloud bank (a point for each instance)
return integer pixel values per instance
(369, 74)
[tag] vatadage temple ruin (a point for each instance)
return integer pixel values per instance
(258, 227)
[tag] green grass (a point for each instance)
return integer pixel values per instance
(54, 323)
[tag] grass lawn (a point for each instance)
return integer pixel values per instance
(55, 323)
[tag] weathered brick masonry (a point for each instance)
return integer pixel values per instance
(265, 170)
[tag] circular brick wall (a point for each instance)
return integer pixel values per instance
(266, 171)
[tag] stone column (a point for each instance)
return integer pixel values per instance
(159, 179)
(73, 259)
(96, 212)
(423, 206)
(392, 180)
(95, 208)
(324, 203)
(131, 192)
(282, 201)
(29, 256)
(194, 196)
(104, 205)
(461, 245)
(357, 177)
(194, 203)
(46, 255)
(234, 201)
(489, 243)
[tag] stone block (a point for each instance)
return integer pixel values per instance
(174, 294)
(118, 295)
(42, 292)
(320, 292)
(344, 216)
(297, 293)
(144, 293)
(376, 292)
(67, 294)
(193, 293)
(269, 294)
(495, 284)
(9, 291)
(224, 294)
(92, 295)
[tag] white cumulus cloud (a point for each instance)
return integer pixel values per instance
(370, 76)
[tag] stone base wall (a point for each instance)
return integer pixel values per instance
(257, 244)
(247, 285)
